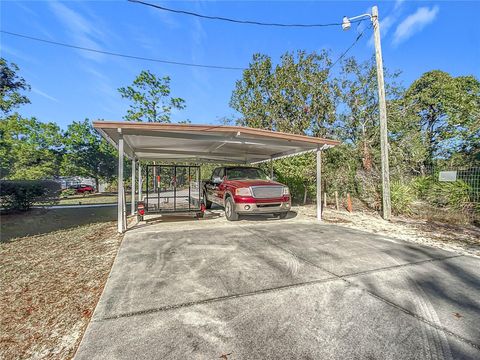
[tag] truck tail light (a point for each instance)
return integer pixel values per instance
(286, 191)
(141, 208)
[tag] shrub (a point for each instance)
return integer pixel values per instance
(369, 188)
(20, 195)
(422, 186)
(68, 192)
(402, 198)
(455, 195)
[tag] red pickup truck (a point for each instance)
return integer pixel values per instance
(246, 190)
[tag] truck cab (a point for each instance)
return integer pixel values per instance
(244, 191)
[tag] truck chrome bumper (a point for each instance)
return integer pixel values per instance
(262, 208)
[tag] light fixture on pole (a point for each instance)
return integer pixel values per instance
(346, 24)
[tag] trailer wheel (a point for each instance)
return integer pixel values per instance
(230, 212)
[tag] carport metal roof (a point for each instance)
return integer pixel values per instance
(201, 143)
(206, 143)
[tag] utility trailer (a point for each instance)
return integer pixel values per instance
(172, 189)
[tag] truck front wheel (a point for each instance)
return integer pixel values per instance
(230, 212)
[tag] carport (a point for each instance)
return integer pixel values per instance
(187, 143)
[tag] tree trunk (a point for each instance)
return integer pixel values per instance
(367, 157)
(97, 185)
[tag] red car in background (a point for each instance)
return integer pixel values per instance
(83, 189)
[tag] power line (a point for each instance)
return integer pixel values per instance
(350, 47)
(135, 57)
(121, 55)
(237, 21)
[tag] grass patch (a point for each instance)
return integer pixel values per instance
(42, 221)
(49, 287)
(91, 199)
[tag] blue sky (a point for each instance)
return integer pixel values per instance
(70, 84)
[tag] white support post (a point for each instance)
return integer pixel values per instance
(139, 181)
(271, 168)
(319, 184)
(120, 189)
(132, 201)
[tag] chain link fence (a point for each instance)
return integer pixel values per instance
(470, 176)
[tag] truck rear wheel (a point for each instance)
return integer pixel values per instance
(230, 212)
(208, 204)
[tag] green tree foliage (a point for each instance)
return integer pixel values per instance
(150, 97)
(294, 96)
(358, 116)
(298, 173)
(446, 113)
(87, 153)
(435, 120)
(11, 87)
(29, 149)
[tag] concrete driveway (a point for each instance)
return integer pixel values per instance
(283, 289)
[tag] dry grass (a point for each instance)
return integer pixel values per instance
(49, 287)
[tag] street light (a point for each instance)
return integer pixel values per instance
(346, 24)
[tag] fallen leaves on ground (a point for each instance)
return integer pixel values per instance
(49, 287)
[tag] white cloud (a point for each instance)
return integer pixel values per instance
(45, 95)
(25, 8)
(84, 32)
(398, 3)
(17, 54)
(414, 23)
(166, 19)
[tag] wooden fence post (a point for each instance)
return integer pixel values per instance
(349, 203)
(336, 200)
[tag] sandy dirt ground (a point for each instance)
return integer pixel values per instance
(49, 287)
(463, 239)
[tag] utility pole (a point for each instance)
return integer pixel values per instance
(386, 208)
(346, 24)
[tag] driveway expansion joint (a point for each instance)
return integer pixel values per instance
(213, 300)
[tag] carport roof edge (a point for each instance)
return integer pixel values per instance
(206, 143)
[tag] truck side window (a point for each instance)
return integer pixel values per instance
(221, 173)
(215, 173)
